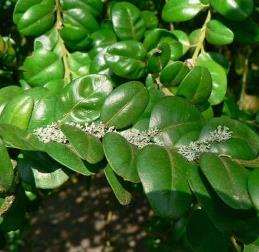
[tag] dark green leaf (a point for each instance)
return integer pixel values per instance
(237, 10)
(125, 104)
(123, 196)
(253, 187)
(219, 78)
(6, 169)
(163, 175)
(158, 58)
(65, 156)
(235, 148)
(17, 138)
(228, 179)
(178, 121)
(196, 86)
(126, 59)
(203, 235)
(87, 146)
(121, 156)
(239, 131)
(173, 73)
(219, 213)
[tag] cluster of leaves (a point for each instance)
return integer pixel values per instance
(135, 64)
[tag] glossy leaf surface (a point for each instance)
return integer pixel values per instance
(181, 10)
(81, 101)
(121, 157)
(87, 146)
(228, 179)
(65, 156)
(218, 34)
(125, 104)
(126, 59)
(177, 119)
(127, 21)
(163, 175)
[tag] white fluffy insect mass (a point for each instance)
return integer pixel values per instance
(192, 151)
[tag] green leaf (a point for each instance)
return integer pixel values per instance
(30, 110)
(236, 10)
(87, 146)
(14, 218)
(203, 235)
(163, 175)
(79, 21)
(219, 78)
(158, 58)
(181, 10)
(94, 7)
(173, 74)
(34, 17)
(218, 34)
(239, 131)
(253, 187)
(155, 94)
(7, 94)
(150, 19)
(235, 148)
(6, 169)
(178, 121)
(177, 40)
(49, 41)
(42, 67)
(81, 100)
(125, 104)
(126, 59)
(127, 21)
(17, 138)
(254, 247)
(196, 86)
(38, 170)
(228, 179)
(18, 111)
(44, 107)
(101, 39)
(99, 64)
(123, 196)
(219, 213)
(183, 39)
(121, 156)
(65, 156)
(79, 64)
